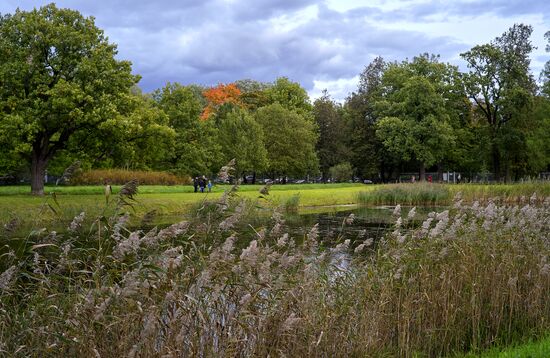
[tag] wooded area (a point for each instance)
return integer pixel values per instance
(64, 96)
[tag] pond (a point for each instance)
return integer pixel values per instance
(368, 222)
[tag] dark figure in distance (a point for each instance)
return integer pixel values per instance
(202, 183)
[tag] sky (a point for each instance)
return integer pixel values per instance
(320, 44)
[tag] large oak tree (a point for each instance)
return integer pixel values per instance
(58, 76)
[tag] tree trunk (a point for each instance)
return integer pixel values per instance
(440, 172)
(38, 167)
(422, 172)
(496, 162)
(253, 177)
(508, 176)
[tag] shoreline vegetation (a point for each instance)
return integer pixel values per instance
(180, 199)
(471, 277)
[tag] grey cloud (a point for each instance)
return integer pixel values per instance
(504, 8)
(207, 42)
(264, 9)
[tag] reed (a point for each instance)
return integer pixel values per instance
(406, 194)
(466, 279)
(121, 176)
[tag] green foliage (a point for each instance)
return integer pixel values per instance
(416, 123)
(241, 138)
(253, 93)
(59, 77)
(196, 150)
(406, 194)
(140, 139)
(532, 349)
(502, 88)
(289, 140)
(291, 96)
(292, 204)
(367, 154)
(331, 145)
(341, 172)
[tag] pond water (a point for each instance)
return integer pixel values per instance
(372, 222)
(368, 222)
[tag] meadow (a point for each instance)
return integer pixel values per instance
(472, 277)
(65, 202)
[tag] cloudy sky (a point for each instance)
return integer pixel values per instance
(321, 44)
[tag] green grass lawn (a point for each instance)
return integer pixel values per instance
(166, 200)
(537, 349)
(15, 201)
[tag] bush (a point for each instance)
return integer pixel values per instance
(341, 172)
(122, 176)
(292, 204)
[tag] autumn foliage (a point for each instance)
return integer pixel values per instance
(219, 95)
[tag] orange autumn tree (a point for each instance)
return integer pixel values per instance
(219, 95)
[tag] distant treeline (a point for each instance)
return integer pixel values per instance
(65, 97)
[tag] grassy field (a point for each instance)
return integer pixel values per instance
(168, 200)
(537, 349)
(69, 201)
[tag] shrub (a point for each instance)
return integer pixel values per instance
(341, 172)
(121, 176)
(292, 204)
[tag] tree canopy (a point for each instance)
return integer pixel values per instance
(289, 140)
(64, 96)
(59, 76)
(415, 123)
(502, 87)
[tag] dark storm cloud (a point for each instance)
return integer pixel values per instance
(213, 41)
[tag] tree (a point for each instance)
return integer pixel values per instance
(502, 88)
(290, 95)
(241, 138)
(341, 172)
(545, 74)
(331, 147)
(139, 139)
(59, 77)
(253, 93)
(196, 149)
(218, 96)
(366, 153)
(289, 140)
(415, 121)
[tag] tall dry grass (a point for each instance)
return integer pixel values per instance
(466, 279)
(121, 176)
(433, 194)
